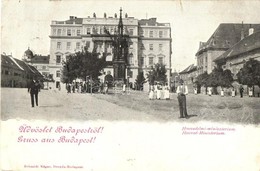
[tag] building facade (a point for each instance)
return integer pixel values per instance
(225, 36)
(234, 58)
(150, 42)
(188, 75)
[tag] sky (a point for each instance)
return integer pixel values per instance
(26, 23)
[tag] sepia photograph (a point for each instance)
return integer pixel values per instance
(130, 85)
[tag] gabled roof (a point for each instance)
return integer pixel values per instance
(19, 65)
(247, 44)
(189, 69)
(7, 61)
(226, 35)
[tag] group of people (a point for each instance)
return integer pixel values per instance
(86, 87)
(159, 91)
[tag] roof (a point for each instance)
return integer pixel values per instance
(150, 22)
(19, 65)
(226, 35)
(7, 61)
(247, 44)
(189, 69)
(39, 59)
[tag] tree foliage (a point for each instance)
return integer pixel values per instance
(157, 73)
(202, 79)
(82, 64)
(250, 73)
(219, 77)
(140, 80)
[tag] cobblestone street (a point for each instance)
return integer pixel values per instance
(59, 106)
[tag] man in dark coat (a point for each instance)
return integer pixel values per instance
(241, 89)
(182, 91)
(33, 89)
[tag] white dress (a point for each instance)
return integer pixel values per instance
(222, 93)
(166, 94)
(233, 93)
(210, 92)
(159, 93)
(151, 95)
(250, 93)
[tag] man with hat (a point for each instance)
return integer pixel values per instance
(182, 91)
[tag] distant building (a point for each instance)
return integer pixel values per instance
(188, 75)
(175, 78)
(40, 62)
(16, 73)
(225, 37)
(150, 42)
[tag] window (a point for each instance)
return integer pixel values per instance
(131, 32)
(130, 45)
(58, 45)
(131, 59)
(67, 57)
(88, 30)
(58, 59)
(57, 73)
(160, 60)
(68, 45)
(78, 32)
(78, 45)
(160, 47)
(151, 46)
(142, 61)
(142, 33)
(160, 34)
(87, 44)
(54, 32)
(59, 32)
(69, 32)
(142, 46)
(151, 34)
(150, 60)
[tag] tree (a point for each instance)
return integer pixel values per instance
(250, 73)
(202, 79)
(157, 73)
(82, 64)
(219, 77)
(140, 80)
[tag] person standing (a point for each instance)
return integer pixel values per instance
(250, 92)
(241, 89)
(209, 91)
(233, 92)
(33, 89)
(182, 91)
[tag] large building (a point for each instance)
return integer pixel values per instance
(225, 36)
(234, 58)
(150, 42)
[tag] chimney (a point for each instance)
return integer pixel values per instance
(71, 17)
(251, 30)
(242, 31)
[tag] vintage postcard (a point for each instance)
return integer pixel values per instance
(130, 85)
